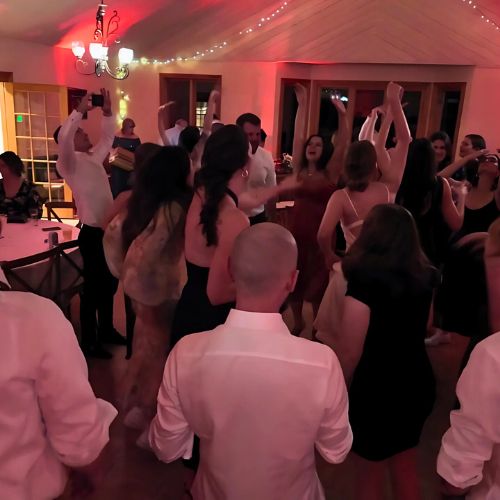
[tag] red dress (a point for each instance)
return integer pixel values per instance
(310, 203)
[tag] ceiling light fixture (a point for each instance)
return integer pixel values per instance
(98, 49)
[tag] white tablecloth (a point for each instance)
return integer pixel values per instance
(23, 240)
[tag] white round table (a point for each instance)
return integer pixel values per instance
(18, 241)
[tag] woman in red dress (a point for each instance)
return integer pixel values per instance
(317, 163)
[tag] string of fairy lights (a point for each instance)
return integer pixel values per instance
(477, 8)
(201, 54)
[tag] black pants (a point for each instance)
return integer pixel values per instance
(96, 307)
(257, 219)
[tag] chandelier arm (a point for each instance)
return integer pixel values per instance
(80, 64)
(124, 72)
(113, 25)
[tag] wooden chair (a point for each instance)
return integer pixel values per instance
(52, 205)
(47, 284)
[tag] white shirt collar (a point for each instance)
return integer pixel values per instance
(256, 321)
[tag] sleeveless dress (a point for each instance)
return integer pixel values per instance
(308, 210)
(327, 322)
(392, 391)
(432, 229)
(462, 299)
(194, 312)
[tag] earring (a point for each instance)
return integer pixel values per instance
(244, 173)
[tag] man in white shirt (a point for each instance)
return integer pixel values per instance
(81, 166)
(259, 398)
(469, 459)
(174, 132)
(260, 167)
(49, 416)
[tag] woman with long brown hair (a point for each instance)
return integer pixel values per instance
(382, 352)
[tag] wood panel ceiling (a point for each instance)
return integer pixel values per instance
(316, 31)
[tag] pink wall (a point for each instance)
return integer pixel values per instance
(246, 87)
(481, 113)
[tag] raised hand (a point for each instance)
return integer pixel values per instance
(394, 92)
(106, 106)
(300, 93)
(339, 106)
(85, 104)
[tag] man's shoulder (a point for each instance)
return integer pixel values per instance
(264, 155)
(25, 307)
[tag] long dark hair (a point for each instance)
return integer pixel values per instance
(162, 179)
(226, 152)
(477, 141)
(419, 178)
(388, 248)
(13, 162)
(360, 165)
(325, 156)
(441, 135)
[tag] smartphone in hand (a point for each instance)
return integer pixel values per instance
(97, 100)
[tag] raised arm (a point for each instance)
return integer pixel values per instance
(66, 159)
(103, 147)
(383, 158)
(461, 162)
(299, 135)
(340, 143)
(367, 132)
(393, 175)
(207, 129)
(327, 228)
(163, 120)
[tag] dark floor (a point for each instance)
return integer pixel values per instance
(135, 474)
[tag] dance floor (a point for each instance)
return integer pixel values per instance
(135, 474)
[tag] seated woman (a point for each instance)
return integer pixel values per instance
(381, 349)
(18, 196)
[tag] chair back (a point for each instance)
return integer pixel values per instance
(52, 214)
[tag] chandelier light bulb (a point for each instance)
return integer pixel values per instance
(125, 56)
(78, 49)
(95, 50)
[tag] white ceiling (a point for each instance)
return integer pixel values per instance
(325, 31)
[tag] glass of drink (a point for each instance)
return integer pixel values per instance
(34, 215)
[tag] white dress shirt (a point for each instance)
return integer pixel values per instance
(470, 450)
(261, 173)
(173, 134)
(49, 416)
(85, 173)
(260, 400)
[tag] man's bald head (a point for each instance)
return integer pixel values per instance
(264, 259)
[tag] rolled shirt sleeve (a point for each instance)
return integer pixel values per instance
(474, 431)
(103, 147)
(334, 438)
(77, 423)
(66, 141)
(170, 435)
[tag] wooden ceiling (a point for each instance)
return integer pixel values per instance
(313, 31)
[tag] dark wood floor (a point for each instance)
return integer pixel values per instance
(135, 474)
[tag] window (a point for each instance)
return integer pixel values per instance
(428, 107)
(190, 93)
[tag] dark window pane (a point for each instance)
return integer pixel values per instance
(288, 121)
(178, 91)
(328, 116)
(451, 106)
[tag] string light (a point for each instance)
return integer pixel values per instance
(200, 54)
(474, 5)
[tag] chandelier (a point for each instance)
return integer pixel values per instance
(98, 49)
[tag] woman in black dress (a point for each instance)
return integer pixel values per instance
(382, 352)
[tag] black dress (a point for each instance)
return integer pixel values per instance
(432, 228)
(194, 312)
(393, 387)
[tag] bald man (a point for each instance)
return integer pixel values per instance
(260, 399)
